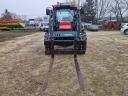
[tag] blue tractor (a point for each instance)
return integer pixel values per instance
(65, 31)
(64, 28)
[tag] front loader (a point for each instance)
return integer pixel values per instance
(65, 35)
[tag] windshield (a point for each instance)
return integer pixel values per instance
(65, 14)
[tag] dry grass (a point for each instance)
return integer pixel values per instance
(104, 67)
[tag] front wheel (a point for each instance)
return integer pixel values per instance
(47, 51)
(82, 52)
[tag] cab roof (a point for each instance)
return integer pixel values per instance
(65, 6)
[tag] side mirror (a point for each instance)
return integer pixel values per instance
(48, 9)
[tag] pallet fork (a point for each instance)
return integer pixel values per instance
(79, 75)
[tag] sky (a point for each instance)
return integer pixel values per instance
(30, 8)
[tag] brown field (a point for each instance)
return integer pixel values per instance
(11, 35)
(23, 65)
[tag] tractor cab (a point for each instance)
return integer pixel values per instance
(65, 17)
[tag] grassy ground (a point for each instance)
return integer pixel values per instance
(23, 65)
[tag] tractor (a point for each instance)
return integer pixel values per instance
(65, 34)
(65, 27)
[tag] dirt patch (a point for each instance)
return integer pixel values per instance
(11, 35)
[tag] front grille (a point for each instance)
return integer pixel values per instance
(63, 38)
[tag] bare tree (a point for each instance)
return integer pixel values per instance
(126, 2)
(103, 8)
(9, 15)
(89, 13)
(6, 15)
(119, 9)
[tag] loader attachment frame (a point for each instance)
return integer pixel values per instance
(78, 42)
